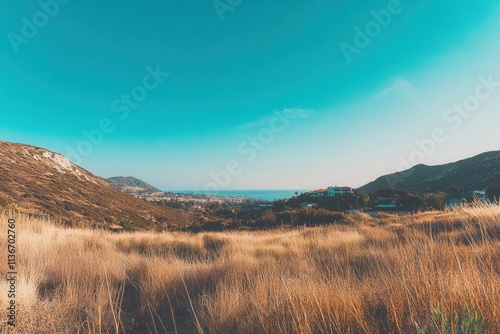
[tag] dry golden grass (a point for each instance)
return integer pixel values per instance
(379, 275)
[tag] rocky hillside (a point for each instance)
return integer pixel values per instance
(471, 174)
(39, 181)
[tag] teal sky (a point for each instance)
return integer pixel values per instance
(231, 70)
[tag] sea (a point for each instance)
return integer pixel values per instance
(265, 195)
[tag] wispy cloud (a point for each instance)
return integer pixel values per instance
(290, 113)
(399, 87)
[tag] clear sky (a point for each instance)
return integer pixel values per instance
(251, 94)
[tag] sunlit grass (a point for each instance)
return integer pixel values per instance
(379, 275)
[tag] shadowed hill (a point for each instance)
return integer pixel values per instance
(123, 183)
(471, 174)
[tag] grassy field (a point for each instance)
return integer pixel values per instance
(433, 272)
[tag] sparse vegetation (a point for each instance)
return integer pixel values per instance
(429, 272)
(4, 202)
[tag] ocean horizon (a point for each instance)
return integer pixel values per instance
(265, 195)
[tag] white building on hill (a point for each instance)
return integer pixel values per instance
(332, 191)
(339, 191)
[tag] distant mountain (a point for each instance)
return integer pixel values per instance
(39, 181)
(128, 183)
(471, 174)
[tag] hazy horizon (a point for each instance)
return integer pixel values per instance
(249, 94)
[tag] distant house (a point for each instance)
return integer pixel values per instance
(385, 207)
(306, 205)
(320, 193)
(480, 195)
(455, 202)
(382, 204)
(384, 201)
(339, 191)
(332, 191)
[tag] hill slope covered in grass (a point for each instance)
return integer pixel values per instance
(420, 273)
(470, 174)
(39, 181)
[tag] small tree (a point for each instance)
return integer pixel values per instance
(493, 193)
(410, 201)
(455, 191)
(435, 200)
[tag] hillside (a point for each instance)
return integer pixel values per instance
(39, 181)
(471, 174)
(130, 183)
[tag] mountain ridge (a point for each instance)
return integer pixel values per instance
(473, 173)
(126, 182)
